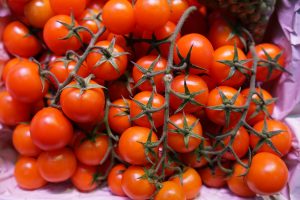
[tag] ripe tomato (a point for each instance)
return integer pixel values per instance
(197, 92)
(54, 31)
(213, 178)
(83, 105)
(17, 6)
(268, 174)
(83, 178)
(22, 141)
(151, 14)
(256, 112)
(191, 182)
(120, 89)
(38, 12)
(201, 53)
(19, 41)
(105, 70)
(170, 190)
(50, 129)
(221, 72)
(27, 175)
(134, 186)
(237, 183)
(266, 72)
(131, 145)
(222, 33)
(118, 118)
(145, 63)
(57, 165)
(195, 23)
(120, 40)
(9, 65)
(114, 179)
(282, 141)
(118, 16)
(12, 111)
(68, 7)
(184, 141)
(214, 99)
(177, 9)
(91, 151)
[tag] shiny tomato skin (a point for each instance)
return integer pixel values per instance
(50, 129)
(177, 9)
(27, 175)
(57, 165)
(268, 174)
(68, 7)
(282, 141)
(10, 64)
(114, 179)
(83, 178)
(214, 180)
(18, 41)
(22, 141)
(194, 84)
(12, 111)
(135, 187)
(201, 54)
(131, 149)
(170, 190)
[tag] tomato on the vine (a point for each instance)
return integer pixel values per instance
(84, 178)
(177, 9)
(215, 178)
(68, 7)
(120, 89)
(170, 190)
(114, 179)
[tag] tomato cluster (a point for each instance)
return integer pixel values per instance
(126, 93)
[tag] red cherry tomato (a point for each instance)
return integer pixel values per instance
(83, 178)
(68, 7)
(114, 179)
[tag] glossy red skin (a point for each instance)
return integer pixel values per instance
(195, 84)
(214, 99)
(105, 71)
(17, 6)
(27, 175)
(54, 31)
(151, 15)
(176, 141)
(191, 182)
(83, 107)
(18, 41)
(268, 174)
(22, 141)
(282, 141)
(130, 147)
(91, 152)
(57, 165)
(50, 129)
(114, 180)
(135, 109)
(83, 178)
(145, 63)
(220, 72)
(216, 180)
(66, 7)
(10, 64)
(12, 111)
(117, 121)
(177, 9)
(170, 190)
(133, 186)
(201, 54)
(261, 115)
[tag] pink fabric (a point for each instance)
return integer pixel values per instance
(287, 108)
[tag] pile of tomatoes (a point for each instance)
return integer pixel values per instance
(117, 91)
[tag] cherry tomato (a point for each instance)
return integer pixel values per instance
(170, 190)
(12, 111)
(213, 178)
(191, 182)
(134, 186)
(177, 9)
(27, 175)
(145, 63)
(114, 179)
(50, 129)
(187, 140)
(131, 148)
(57, 165)
(268, 174)
(22, 141)
(151, 14)
(19, 41)
(144, 98)
(54, 31)
(120, 40)
(83, 178)
(118, 118)
(195, 23)
(282, 141)
(68, 7)
(9, 65)
(201, 54)
(17, 6)
(197, 91)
